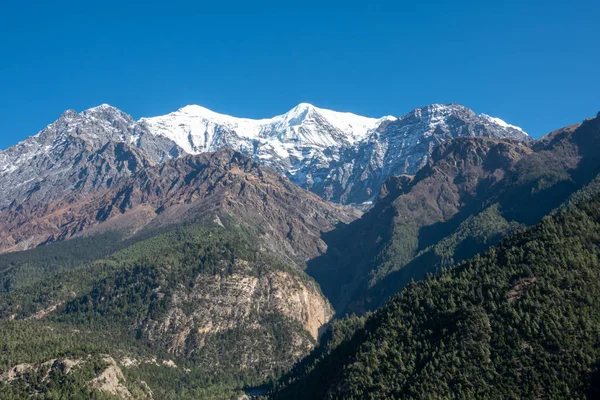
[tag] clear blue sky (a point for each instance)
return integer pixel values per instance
(534, 64)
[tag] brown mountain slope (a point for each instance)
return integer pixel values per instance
(185, 190)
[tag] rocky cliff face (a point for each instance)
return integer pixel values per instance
(218, 304)
(208, 292)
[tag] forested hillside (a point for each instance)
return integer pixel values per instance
(521, 320)
(205, 296)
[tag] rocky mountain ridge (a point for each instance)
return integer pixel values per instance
(183, 190)
(342, 157)
(78, 153)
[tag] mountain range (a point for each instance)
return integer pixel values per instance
(341, 157)
(222, 251)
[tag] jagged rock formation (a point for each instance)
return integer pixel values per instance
(108, 379)
(78, 153)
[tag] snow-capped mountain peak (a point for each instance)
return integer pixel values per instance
(197, 129)
(450, 117)
(501, 122)
(355, 127)
(340, 156)
(102, 107)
